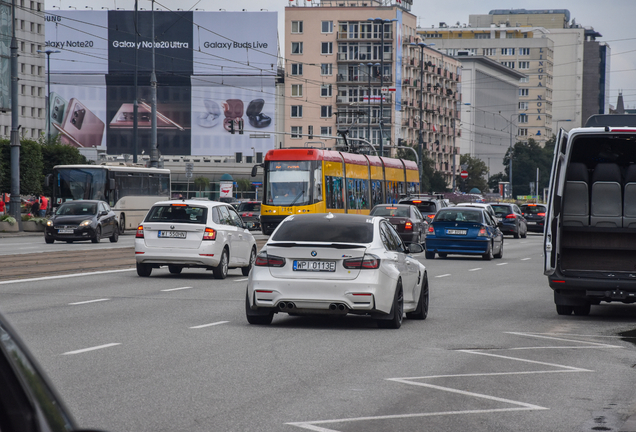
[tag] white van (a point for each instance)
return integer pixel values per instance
(590, 228)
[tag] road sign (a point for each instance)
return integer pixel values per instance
(189, 168)
(464, 174)
(384, 90)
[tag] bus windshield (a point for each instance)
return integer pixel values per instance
(79, 183)
(289, 183)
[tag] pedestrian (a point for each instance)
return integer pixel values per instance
(2, 207)
(44, 206)
(35, 208)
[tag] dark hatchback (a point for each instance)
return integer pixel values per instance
(512, 220)
(407, 220)
(426, 204)
(535, 216)
(82, 220)
(250, 212)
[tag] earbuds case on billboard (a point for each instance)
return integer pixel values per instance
(254, 114)
(212, 115)
(233, 113)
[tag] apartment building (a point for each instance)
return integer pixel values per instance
(29, 31)
(525, 49)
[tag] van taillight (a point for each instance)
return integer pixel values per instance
(140, 232)
(368, 261)
(209, 234)
(408, 226)
(265, 260)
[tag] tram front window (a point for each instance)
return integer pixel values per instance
(289, 183)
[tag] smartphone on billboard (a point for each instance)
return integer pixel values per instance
(65, 138)
(125, 117)
(57, 109)
(81, 125)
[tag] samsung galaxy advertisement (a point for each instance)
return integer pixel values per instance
(215, 73)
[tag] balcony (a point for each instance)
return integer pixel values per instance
(346, 35)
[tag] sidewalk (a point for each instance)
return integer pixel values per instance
(21, 234)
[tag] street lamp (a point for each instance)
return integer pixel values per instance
(421, 122)
(382, 23)
(557, 123)
(48, 99)
(510, 124)
(369, 66)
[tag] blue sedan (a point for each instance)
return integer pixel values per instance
(464, 231)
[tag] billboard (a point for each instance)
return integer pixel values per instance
(213, 69)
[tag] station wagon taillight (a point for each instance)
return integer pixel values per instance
(209, 234)
(368, 261)
(140, 232)
(408, 226)
(511, 216)
(265, 260)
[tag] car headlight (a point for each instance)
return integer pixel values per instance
(49, 223)
(86, 223)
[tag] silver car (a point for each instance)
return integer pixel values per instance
(337, 264)
(194, 233)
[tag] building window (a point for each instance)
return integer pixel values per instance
(524, 92)
(297, 90)
(327, 27)
(22, 67)
(523, 132)
(32, 27)
(22, 46)
(21, 24)
(511, 65)
(325, 111)
(32, 48)
(507, 51)
(39, 27)
(523, 105)
(325, 130)
(325, 90)
(523, 118)
(326, 69)
(32, 90)
(490, 51)
(524, 65)
(296, 131)
(297, 26)
(297, 69)
(479, 35)
(39, 112)
(524, 51)
(32, 111)
(296, 111)
(22, 89)
(326, 48)
(39, 91)
(297, 48)
(524, 80)
(32, 69)
(310, 132)
(22, 110)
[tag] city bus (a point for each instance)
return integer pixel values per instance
(130, 191)
(318, 181)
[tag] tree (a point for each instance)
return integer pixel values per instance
(31, 165)
(526, 158)
(477, 173)
(244, 185)
(493, 182)
(201, 183)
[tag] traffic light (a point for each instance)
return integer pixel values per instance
(240, 126)
(232, 127)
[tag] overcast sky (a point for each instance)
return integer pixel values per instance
(611, 18)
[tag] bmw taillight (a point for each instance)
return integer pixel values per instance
(265, 260)
(482, 233)
(140, 232)
(430, 229)
(209, 234)
(408, 226)
(368, 261)
(541, 214)
(511, 216)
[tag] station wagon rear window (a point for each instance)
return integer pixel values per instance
(177, 213)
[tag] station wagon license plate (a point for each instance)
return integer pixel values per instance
(456, 231)
(328, 266)
(172, 234)
(65, 231)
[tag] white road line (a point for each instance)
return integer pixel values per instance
(209, 325)
(475, 269)
(65, 276)
(176, 289)
(444, 275)
(525, 259)
(241, 280)
(88, 301)
(91, 349)
(502, 263)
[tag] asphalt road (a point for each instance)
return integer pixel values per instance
(175, 353)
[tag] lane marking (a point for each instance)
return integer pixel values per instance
(444, 275)
(475, 269)
(502, 263)
(175, 289)
(525, 259)
(88, 301)
(241, 280)
(65, 276)
(91, 349)
(209, 325)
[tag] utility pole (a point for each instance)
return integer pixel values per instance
(15, 139)
(154, 156)
(136, 102)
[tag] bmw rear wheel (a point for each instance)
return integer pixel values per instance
(421, 311)
(257, 319)
(488, 255)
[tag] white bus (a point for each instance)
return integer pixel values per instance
(130, 191)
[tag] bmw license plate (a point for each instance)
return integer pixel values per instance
(456, 231)
(65, 231)
(327, 266)
(172, 234)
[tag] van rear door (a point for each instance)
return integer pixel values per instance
(555, 200)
